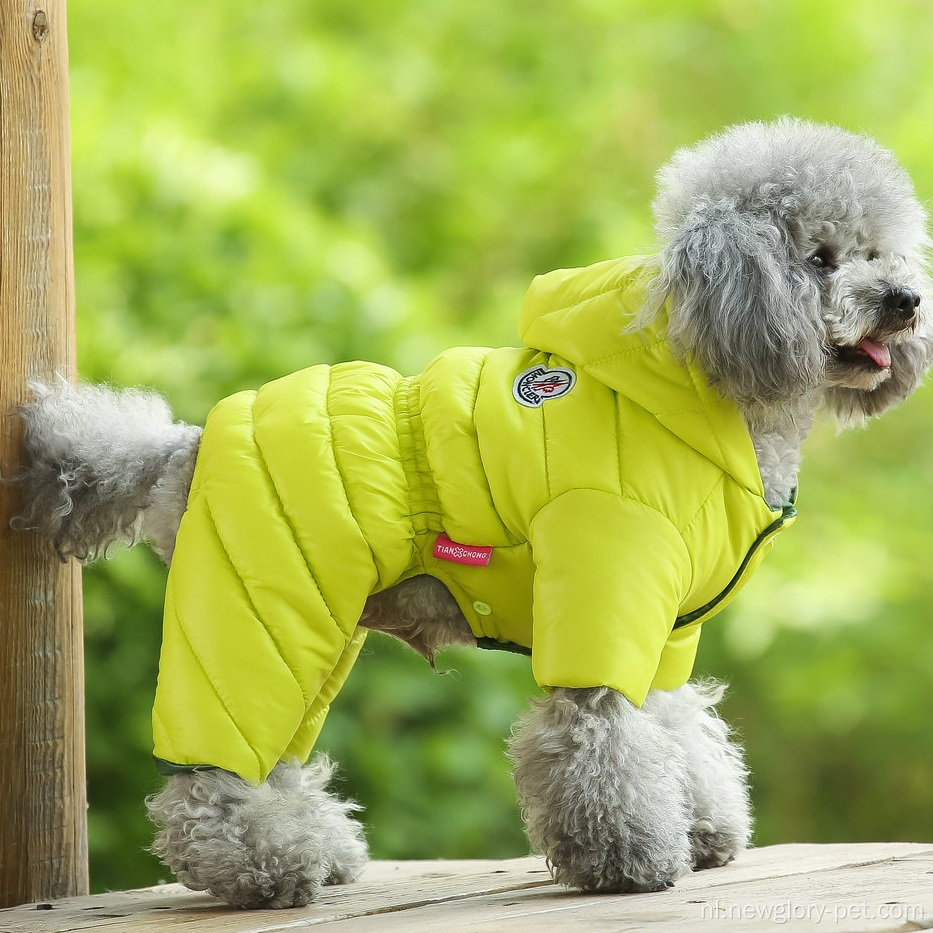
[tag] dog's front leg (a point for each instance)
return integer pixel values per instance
(603, 788)
(718, 778)
(267, 845)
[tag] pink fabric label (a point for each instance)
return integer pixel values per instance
(472, 554)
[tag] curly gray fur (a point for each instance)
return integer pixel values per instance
(604, 792)
(420, 612)
(97, 459)
(717, 779)
(621, 799)
(271, 845)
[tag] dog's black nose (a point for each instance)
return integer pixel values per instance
(901, 302)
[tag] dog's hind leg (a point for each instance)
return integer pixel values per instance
(103, 466)
(268, 845)
(604, 791)
(718, 787)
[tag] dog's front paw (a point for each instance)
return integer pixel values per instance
(604, 792)
(621, 866)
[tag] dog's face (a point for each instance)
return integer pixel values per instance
(794, 258)
(870, 305)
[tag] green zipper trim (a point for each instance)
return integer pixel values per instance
(493, 644)
(168, 768)
(787, 513)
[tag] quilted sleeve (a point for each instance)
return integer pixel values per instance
(610, 574)
(678, 658)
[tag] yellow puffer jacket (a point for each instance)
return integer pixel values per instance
(618, 492)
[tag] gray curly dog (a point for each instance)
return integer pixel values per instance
(791, 275)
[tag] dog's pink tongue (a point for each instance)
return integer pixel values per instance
(877, 351)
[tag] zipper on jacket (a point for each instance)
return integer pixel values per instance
(788, 512)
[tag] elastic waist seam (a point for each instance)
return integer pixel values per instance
(424, 502)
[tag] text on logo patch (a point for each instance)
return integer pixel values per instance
(539, 384)
(472, 554)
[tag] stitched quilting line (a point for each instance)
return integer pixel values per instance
(620, 441)
(220, 699)
(547, 455)
(720, 480)
(596, 296)
(609, 357)
(340, 471)
(256, 614)
(479, 450)
(706, 415)
(702, 408)
(283, 512)
(183, 630)
(666, 520)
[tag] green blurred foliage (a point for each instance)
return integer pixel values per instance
(262, 186)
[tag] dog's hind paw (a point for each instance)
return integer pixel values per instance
(270, 845)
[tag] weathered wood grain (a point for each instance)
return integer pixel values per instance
(42, 784)
(875, 888)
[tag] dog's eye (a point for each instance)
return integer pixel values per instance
(822, 259)
(874, 255)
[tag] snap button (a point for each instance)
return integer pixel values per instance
(482, 609)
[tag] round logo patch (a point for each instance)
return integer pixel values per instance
(537, 385)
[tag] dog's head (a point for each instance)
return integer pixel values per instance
(794, 255)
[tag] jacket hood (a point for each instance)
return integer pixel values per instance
(583, 316)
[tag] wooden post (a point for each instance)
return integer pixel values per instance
(43, 818)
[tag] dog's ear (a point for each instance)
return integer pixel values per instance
(742, 305)
(910, 362)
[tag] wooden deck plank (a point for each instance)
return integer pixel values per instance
(878, 897)
(386, 886)
(870, 888)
